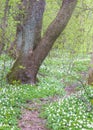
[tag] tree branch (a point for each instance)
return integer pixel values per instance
(54, 30)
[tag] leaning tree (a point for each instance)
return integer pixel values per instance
(32, 48)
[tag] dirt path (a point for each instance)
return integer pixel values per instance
(30, 119)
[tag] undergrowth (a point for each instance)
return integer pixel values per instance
(72, 113)
(55, 74)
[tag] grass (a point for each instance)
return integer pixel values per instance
(64, 114)
(72, 113)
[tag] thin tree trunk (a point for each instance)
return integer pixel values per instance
(90, 72)
(27, 65)
(4, 25)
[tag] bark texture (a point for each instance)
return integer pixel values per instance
(4, 25)
(90, 72)
(34, 49)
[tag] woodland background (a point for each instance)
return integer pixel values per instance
(63, 73)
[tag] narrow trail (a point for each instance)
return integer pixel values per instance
(30, 119)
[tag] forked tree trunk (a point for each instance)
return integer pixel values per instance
(34, 48)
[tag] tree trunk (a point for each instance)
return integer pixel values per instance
(90, 72)
(34, 48)
(4, 25)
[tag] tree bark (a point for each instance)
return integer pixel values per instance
(28, 32)
(34, 48)
(4, 25)
(90, 72)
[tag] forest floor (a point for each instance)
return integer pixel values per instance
(30, 119)
(38, 107)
